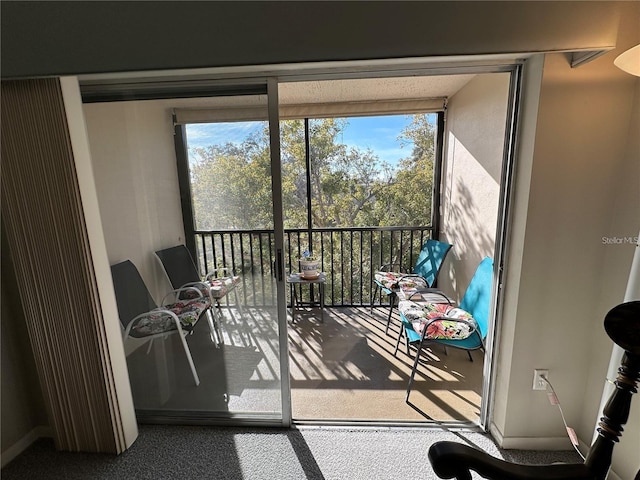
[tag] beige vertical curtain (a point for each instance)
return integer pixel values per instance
(45, 225)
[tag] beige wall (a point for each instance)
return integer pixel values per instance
(615, 268)
(137, 183)
(474, 143)
(23, 410)
(585, 185)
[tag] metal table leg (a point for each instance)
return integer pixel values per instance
(321, 292)
(294, 300)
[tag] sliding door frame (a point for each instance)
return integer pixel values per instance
(274, 75)
(278, 223)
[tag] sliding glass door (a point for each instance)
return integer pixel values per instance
(232, 193)
(222, 205)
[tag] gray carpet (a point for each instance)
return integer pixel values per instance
(323, 453)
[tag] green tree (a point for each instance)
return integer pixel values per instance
(407, 200)
(231, 189)
(231, 183)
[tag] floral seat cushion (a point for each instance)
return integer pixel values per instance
(449, 328)
(395, 281)
(216, 287)
(158, 321)
(221, 286)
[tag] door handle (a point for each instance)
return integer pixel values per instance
(279, 265)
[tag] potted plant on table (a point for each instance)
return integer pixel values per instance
(309, 265)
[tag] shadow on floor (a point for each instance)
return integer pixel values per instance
(343, 368)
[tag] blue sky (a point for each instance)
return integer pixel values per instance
(377, 133)
(380, 134)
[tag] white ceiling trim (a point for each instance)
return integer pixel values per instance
(319, 70)
(302, 84)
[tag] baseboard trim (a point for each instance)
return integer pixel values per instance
(25, 442)
(530, 443)
(541, 443)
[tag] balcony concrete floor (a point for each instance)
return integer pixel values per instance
(341, 369)
(345, 368)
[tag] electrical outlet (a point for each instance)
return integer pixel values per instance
(538, 381)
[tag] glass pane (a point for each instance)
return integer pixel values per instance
(365, 171)
(233, 344)
(294, 173)
(230, 177)
(229, 168)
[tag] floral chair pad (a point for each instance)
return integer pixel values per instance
(419, 314)
(157, 321)
(395, 281)
(221, 286)
(216, 287)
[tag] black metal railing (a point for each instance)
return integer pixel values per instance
(349, 256)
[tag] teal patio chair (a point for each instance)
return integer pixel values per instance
(424, 275)
(463, 327)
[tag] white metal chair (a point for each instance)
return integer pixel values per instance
(142, 318)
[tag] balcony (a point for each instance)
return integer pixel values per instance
(342, 369)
